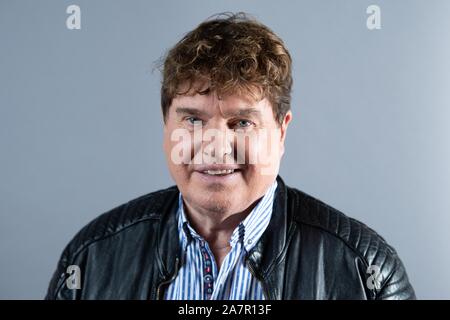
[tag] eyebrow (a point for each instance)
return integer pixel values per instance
(240, 112)
(191, 111)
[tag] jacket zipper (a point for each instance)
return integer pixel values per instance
(158, 291)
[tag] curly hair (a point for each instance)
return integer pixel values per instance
(234, 54)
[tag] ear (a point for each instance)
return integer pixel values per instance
(284, 125)
(287, 119)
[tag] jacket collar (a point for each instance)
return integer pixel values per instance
(268, 252)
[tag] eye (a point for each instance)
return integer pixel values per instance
(244, 123)
(194, 121)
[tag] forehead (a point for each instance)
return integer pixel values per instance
(211, 104)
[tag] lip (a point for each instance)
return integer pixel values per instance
(227, 178)
(206, 167)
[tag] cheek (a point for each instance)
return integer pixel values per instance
(166, 147)
(252, 149)
(268, 154)
(267, 147)
(178, 147)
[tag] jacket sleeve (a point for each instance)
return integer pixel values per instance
(59, 289)
(396, 285)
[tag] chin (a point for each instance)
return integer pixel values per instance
(217, 204)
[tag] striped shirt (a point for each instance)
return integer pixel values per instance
(199, 277)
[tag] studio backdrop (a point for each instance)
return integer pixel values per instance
(81, 125)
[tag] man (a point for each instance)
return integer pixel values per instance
(230, 228)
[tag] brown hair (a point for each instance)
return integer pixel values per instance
(236, 55)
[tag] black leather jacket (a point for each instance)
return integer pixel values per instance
(309, 251)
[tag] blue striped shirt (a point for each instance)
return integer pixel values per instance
(199, 277)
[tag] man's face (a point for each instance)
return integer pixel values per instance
(223, 153)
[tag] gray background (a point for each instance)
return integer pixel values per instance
(80, 125)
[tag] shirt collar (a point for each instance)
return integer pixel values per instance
(247, 232)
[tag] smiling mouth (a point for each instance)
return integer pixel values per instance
(220, 172)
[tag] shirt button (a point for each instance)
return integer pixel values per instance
(208, 278)
(249, 241)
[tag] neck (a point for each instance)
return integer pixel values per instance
(214, 227)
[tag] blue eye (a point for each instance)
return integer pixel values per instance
(244, 123)
(194, 121)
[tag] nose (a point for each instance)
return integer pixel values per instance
(218, 144)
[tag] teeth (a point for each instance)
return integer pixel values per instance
(218, 172)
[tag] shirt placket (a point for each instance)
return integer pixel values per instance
(226, 272)
(208, 271)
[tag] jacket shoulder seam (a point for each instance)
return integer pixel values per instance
(306, 220)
